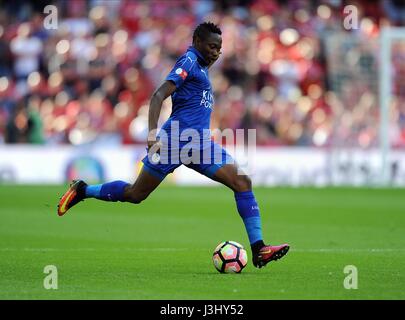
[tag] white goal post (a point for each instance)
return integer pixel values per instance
(366, 86)
(387, 36)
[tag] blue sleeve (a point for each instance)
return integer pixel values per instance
(182, 69)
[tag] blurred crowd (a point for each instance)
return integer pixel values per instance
(289, 69)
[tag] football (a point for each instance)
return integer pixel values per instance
(229, 257)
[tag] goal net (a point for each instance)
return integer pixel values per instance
(367, 97)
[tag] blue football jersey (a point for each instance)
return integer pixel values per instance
(193, 99)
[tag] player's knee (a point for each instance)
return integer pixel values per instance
(242, 183)
(137, 198)
(134, 195)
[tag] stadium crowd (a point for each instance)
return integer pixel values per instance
(282, 71)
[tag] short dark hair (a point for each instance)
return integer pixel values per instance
(204, 29)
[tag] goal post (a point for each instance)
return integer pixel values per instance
(387, 37)
(366, 92)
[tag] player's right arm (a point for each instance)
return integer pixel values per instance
(173, 81)
(165, 90)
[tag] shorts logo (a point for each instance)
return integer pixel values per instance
(182, 73)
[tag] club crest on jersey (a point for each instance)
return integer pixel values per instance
(182, 73)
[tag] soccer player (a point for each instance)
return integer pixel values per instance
(190, 89)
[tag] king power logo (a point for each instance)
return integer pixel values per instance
(207, 99)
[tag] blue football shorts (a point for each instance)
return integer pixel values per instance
(205, 159)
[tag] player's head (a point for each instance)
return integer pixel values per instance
(208, 41)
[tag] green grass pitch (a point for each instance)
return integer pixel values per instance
(161, 249)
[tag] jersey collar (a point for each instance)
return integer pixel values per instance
(198, 54)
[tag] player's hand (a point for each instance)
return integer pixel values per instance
(154, 150)
(154, 145)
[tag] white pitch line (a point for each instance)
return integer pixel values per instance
(319, 250)
(92, 249)
(343, 250)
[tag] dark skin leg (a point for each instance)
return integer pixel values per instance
(145, 184)
(228, 175)
(142, 187)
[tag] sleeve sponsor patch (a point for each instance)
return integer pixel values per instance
(182, 73)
